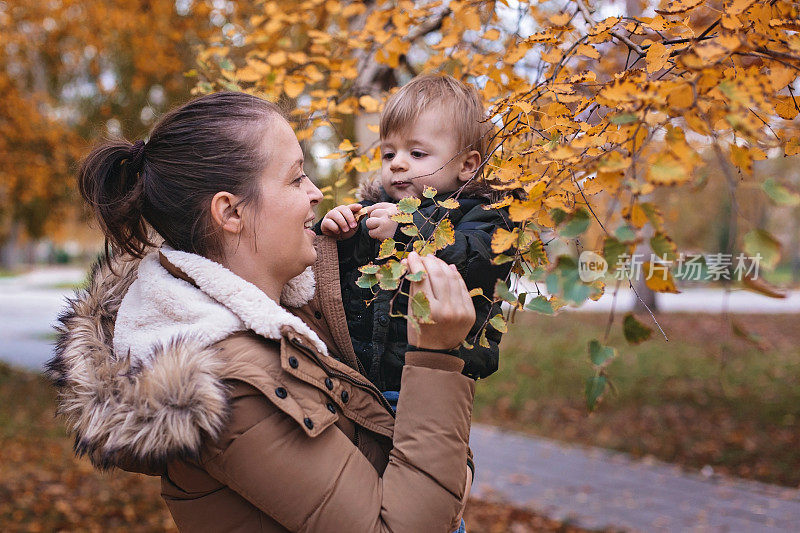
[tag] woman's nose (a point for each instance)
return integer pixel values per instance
(314, 194)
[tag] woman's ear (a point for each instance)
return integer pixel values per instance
(470, 166)
(227, 212)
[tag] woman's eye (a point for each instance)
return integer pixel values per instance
(299, 179)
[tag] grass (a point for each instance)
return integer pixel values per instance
(706, 397)
(43, 487)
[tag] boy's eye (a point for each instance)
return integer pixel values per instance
(388, 156)
(417, 154)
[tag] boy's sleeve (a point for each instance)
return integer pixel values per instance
(472, 254)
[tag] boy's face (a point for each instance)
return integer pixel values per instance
(423, 155)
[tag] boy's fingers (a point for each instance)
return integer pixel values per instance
(349, 218)
(329, 227)
(372, 223)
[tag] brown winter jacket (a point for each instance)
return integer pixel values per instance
(253, 433)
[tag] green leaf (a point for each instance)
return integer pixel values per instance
(369, 269)
(542, 305)
(226, 64)
(635, 332)
(624, 118)
(780, 194)
(500, 259)
(420, 308)
(416, 276)
(599, 354)
(625, 234)
(429, 192)
(578, 223)
(367, 281)
(761, 242)
(653, 214)
(595, 386)
(612, 250)
(663, 246)
(411, 231)
(450, 203)
(390, 274)
(499, 323)
(387, 249)
(408, 205)
(501, 291)
(467, 345)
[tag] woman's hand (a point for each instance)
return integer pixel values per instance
(451, 307)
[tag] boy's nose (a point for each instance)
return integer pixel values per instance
(399, 163)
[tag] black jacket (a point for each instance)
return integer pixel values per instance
(380, 340)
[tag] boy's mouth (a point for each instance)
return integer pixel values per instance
(400, 184)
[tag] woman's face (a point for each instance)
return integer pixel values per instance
(282, 239)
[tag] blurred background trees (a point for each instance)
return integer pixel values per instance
(72, 71)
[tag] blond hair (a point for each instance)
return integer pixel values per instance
(461, 102)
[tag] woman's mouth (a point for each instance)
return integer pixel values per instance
(308, 225)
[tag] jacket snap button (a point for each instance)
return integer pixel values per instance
(329, 383)
(383, 320)
(309, 424)
(317, 315)
(293, 362)
(331, 407)
(345, 396)
(280, 392)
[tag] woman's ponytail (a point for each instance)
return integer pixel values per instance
(111, 181)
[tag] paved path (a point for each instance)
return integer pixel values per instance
(595, 488)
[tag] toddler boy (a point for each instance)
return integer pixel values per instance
(433, 134)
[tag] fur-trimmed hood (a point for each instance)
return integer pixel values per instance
(138, 377)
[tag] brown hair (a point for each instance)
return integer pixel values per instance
(212, 143)
(423, 92)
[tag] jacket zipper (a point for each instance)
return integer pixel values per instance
(367, 386)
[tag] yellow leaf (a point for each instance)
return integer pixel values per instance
(561, 19)
(785, 107)
(636, 215)
(604, 26)
(792, 146)
(678, 6)
(681, 96)
(369, 103)
(502, 239)
(658, 278)
(588, 51)
(293, 88)
(742, 158)
(666, 169)
(346, 146)
(277, 59)
(657, 56)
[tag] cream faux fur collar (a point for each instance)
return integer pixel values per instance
(159, 307)
(137, 411)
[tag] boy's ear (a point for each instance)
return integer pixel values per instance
(469, 166)
(226, 212)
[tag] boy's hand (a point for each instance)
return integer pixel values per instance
(379, 223)
(340, 222)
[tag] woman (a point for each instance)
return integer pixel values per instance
(213, 362)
